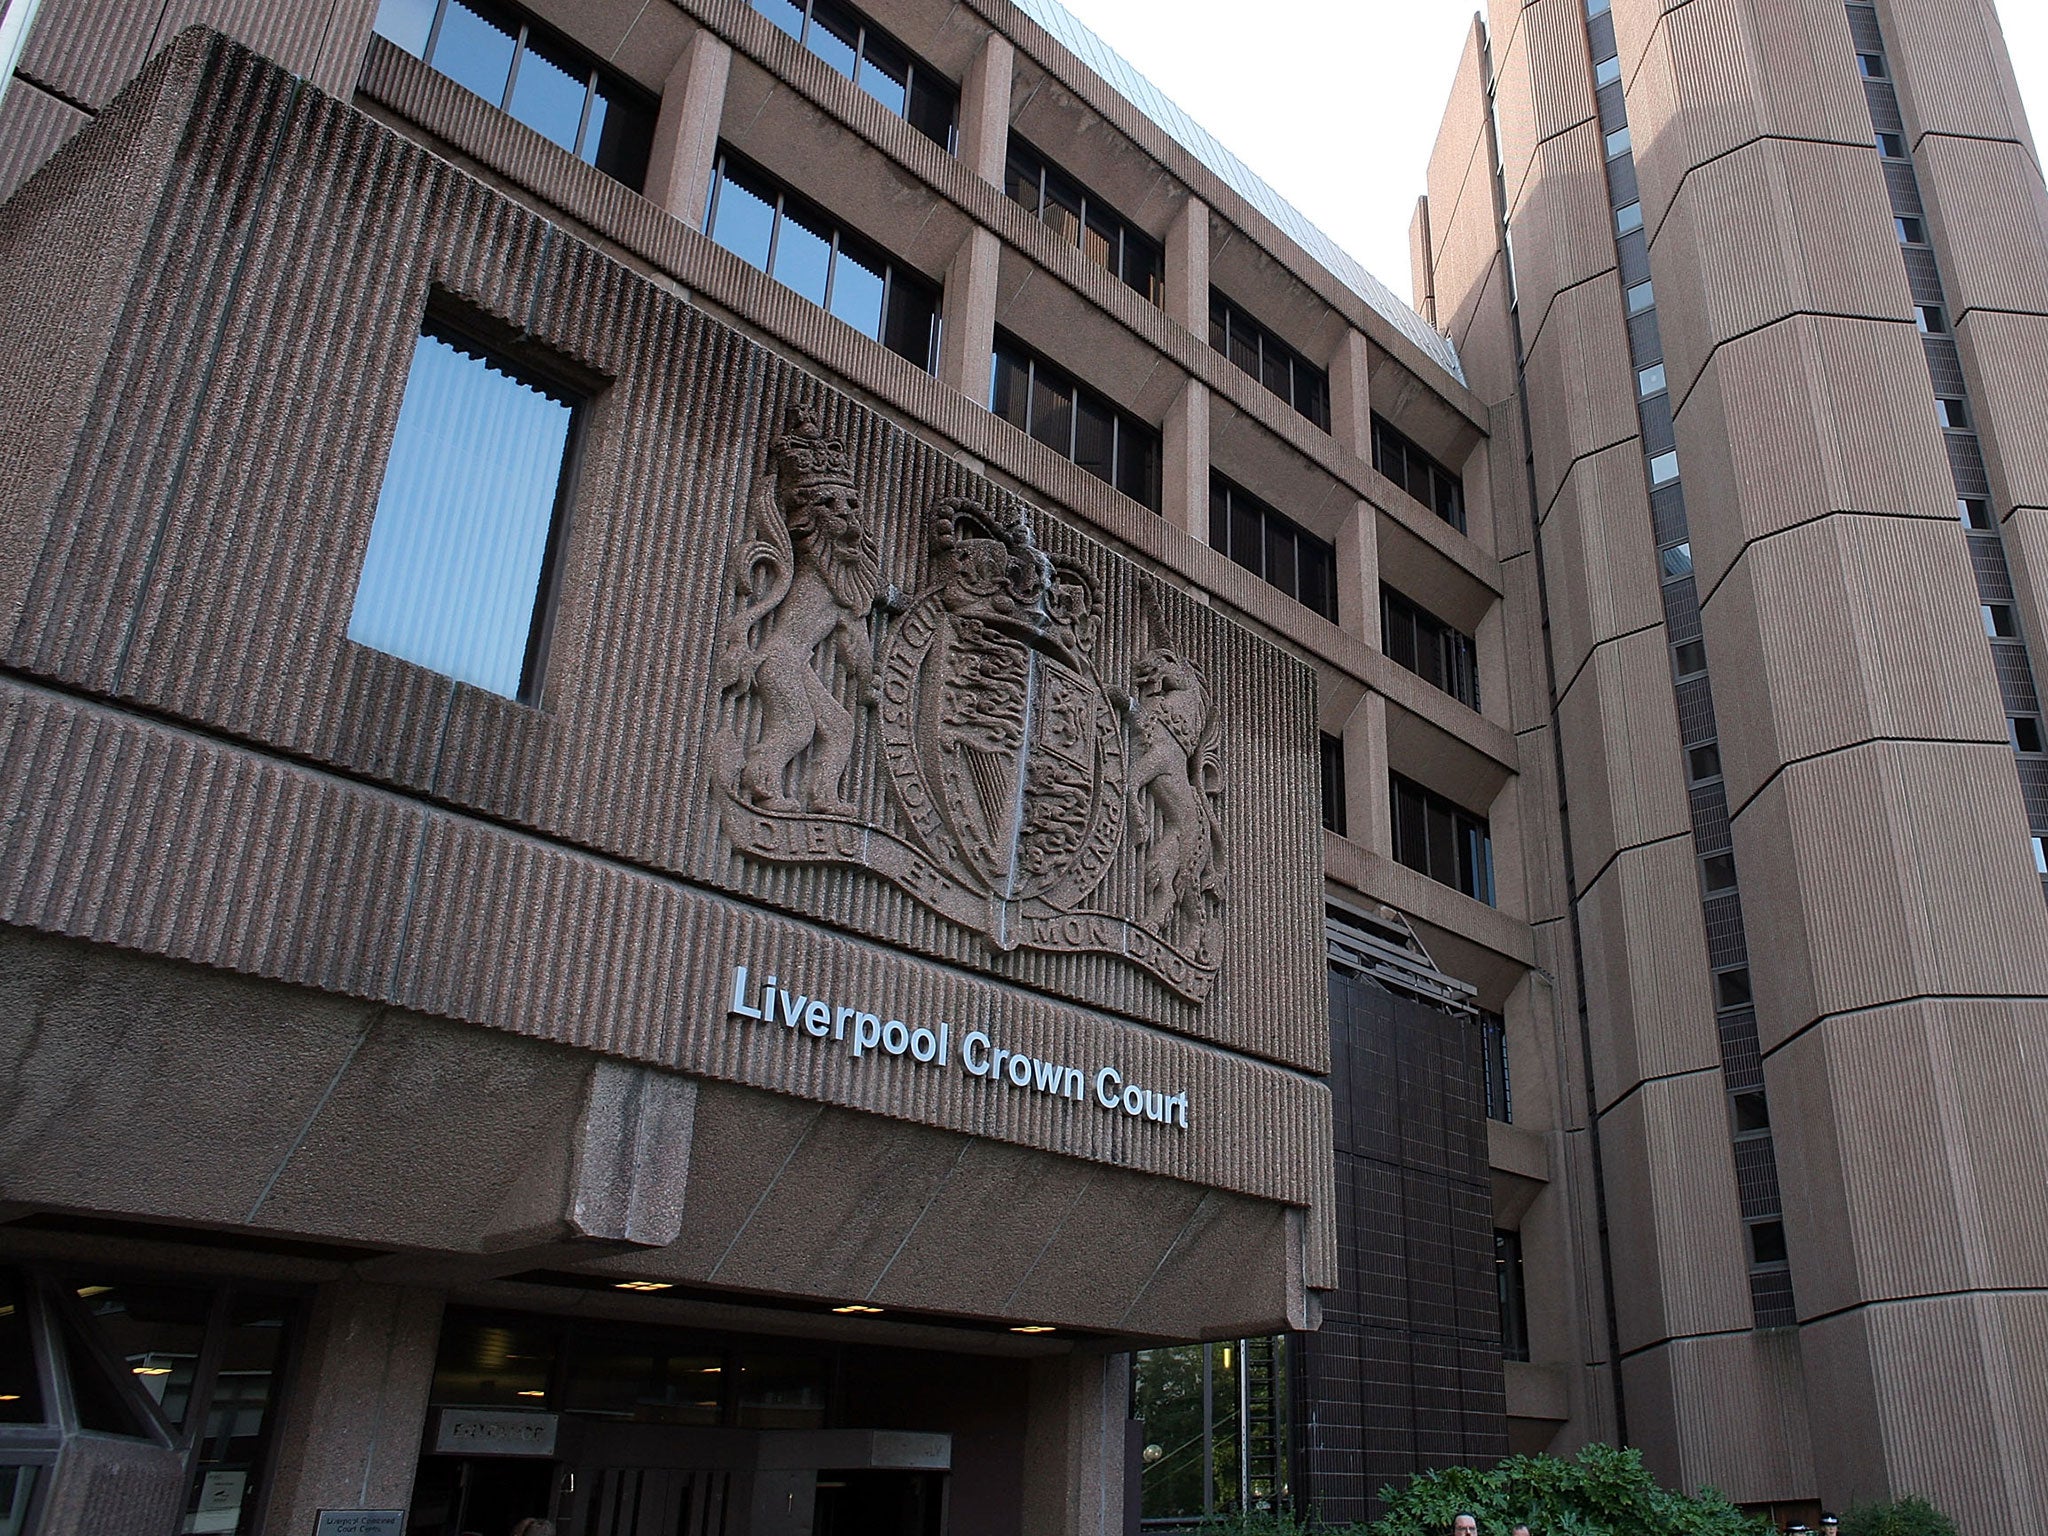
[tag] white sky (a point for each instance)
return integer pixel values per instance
(1336, 102)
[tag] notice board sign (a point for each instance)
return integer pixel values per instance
(360, 1522)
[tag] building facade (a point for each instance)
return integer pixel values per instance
(1760, 282)
(770, 768)
(675, 683)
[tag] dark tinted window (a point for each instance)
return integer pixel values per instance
(768, 226)
(1417, 639)
(21, 1390)
(1080, 218)
(1514, 1305)
(1263, 355)
(1394, 456)
(1332, 752)
(1442, 840)
(1040, 398)
(534, 73)
(1272, 546)
(874, 61)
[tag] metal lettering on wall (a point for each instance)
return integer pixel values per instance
(1018, 771)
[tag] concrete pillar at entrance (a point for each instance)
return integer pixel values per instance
(680, 163)
(1184, 480)
(357, 1406)
(1074, 1446)
(967, 341)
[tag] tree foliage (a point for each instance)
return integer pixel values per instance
(1600, 1492)
(1910, 1516)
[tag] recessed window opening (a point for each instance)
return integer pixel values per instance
(1767, 1242)
(1439, 653)
(534, 73)
(1257, 351)
(2026, 733)
(1688, 659)
(1974, 512)
(1704, 763)
(1872, 65)
(2001, 621)
(1752, 1113)
(1513, 1294)
(1911, 231)
(1617, 143)
(1892, 146)
(1078, 217)
(1397, 457)
(1039, 398)
(1677, 561)
(1954, 412)
(1272, 546)
(1650, 381)
(457, 574)
(1930, 319)
(1628, 218)
(1330, 750)
(1441, 839)
(1606, 72)
(2040, 855)
(766, 225)
(1731, 987)
(874, 61)
(1641, 296)
(1663, 468)
(1717, 873)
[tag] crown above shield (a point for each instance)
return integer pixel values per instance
(806, 456)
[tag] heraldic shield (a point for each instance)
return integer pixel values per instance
(1006, 752)
(1021, 781)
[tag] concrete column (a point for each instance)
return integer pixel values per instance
(985, 109)
(1358, 574)
(1184, 477)
(967, 336)
(1187, 267)
(355, 1412)
(1074, 1446)
(1351, 396)
(1491, 644)
(685, 147)
(1368, 803)
(1422, 263)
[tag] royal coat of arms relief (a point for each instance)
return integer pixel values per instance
(1026, 795)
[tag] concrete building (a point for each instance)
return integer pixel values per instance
(669, 675)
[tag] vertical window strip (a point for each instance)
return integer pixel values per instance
(2012, 661)
(1722, 904)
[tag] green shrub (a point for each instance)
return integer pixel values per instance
(1600, 1492)
(1910, 1516)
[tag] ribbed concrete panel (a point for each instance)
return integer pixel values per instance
(1486, 346)
(1580, 401)
(33, 125)
(1563, 224)
(302, 37)
(1885, 872)
(1528, 677)
(1983, 1357)
(185, 847)
(1681, 1260)
(1506, 456)
(1466, 245)
(1600, 557)
(1953, 74)
(1648, 994)
(1727, 1413)
(1542, 849)
(1898, 1130)
(1805, 418)
(1989, 213)
(1768, 231)
(2005, 361)
(1515, 106)
(2026, 551)
(1460, 172)
(1561, 74)
(1847, 629)
(1621, 757)
(1718, 74)
(89, 49)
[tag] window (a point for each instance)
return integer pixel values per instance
(1954, 412)
(1078, 217)
(1628, 218)
(1493, 1037)
(1731, 987)
(1331, 749)
(1442, 840)
(1974, 512)
(1617, 142)
(1704, 763)
(1717, 873)
(1641, 296)
(1037, 397)
(1440, 655)
(1767, 1242)
(1606, 72)
(1650, 381)
(1688, 659)
(1677, 561)
(1663, 468)
(456, 575)
(2001, 622)
(1514, 1301)
(1421, 476)
(1272, 546)
(1752, 1113)
(1872, 65)
(1911, 231)
(535, 74)
(1930, 319)
(2026, 733)
(874, 61)
(760, 221)
(1596, 8)
(1258, 352)
(1892, 146)
(2041, 856)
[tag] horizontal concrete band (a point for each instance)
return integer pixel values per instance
(133, 833)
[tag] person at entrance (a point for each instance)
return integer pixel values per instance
(1465, 1525)
(534, 1526)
